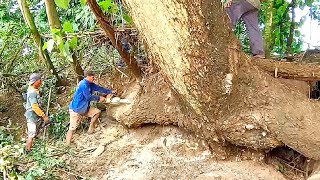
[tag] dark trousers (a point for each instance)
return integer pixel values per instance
(249, 15)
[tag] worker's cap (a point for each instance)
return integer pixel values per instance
(34, 77)
(88, 73)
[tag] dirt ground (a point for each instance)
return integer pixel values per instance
(161, 152)
(152, 152)
(12, 113)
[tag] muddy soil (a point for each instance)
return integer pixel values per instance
(161, 152)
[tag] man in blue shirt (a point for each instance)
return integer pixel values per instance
(80, 105)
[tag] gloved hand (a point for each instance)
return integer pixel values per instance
(114, 92)
(108, 98)
(46, 118)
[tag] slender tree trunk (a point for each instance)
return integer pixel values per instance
(76, 66)
(14, 57)
(292, 28)
(268, 33)
(217, 92)
(54, 23)
(109, 31)
(3, 47)
(52, 14)
(37, 38)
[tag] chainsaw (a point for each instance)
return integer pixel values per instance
(117, 101)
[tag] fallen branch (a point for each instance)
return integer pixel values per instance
(129, 59)
(290, 70)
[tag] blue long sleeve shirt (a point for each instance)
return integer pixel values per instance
(83, 95)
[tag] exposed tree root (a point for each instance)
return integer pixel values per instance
(290, 70)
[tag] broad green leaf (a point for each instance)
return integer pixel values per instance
(83, 2)
(62, 3)
(67, 27)
(127, 18)
(45, 46)
(50, 45)
(55, 31)
(75, 26)
(278, 1)
(114, 9)
(105, 5)
(74, 42)
(61, 48)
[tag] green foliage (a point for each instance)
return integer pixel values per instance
(43, 157)
(83, 2)
(280, 27)
(67, 27)
(241, 34)
(106, 5)
(47, 84)
(64, 46)
(42, 154)
(59, 124)
(9, 153)
(74, 42)
(62, 3)
(48, 45)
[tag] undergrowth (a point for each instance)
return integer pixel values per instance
(15, 163)
(44, 161)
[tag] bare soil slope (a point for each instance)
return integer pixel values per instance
(162, 152)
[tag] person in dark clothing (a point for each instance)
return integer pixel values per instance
(248, 10)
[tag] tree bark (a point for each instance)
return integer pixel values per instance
(54, 23)
(52, 14)
(129, 59)
(3, 47)
(37, 38)
(199, 59)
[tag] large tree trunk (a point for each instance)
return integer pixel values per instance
(198, 57)
(37, 38)
(54, 23)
